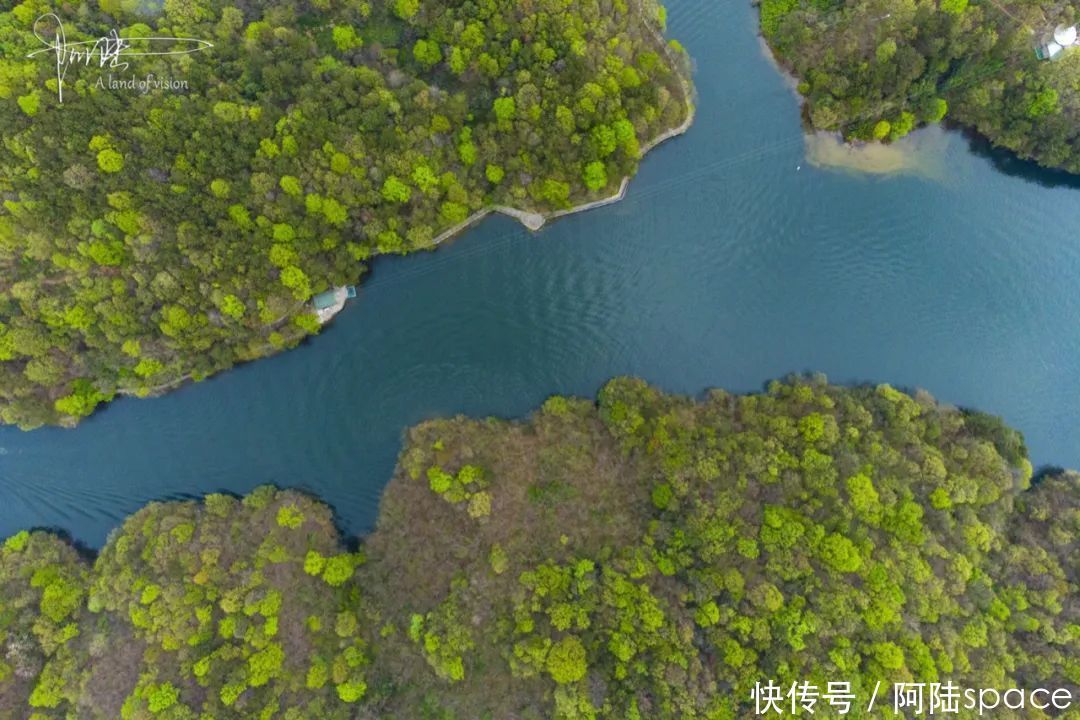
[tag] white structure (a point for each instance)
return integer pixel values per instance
(1064, 37)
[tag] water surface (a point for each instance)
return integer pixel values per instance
(733, 260)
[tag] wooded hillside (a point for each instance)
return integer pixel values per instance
(150, 238)
(649, 557)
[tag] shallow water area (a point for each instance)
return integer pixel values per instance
(920, 153)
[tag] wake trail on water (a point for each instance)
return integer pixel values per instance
(715, 169)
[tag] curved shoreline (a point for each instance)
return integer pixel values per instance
(950, 124)
(532, 220)
(536, 220)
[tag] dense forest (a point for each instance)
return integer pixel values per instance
(147, 238)
(649, 556)
(876, 69)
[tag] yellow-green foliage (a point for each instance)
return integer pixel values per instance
(42, 591)
(200, 607)
(873, 71)
(465, 487)
(808, 532)
(661, 549)
(313, 136)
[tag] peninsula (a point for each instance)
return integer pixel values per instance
(649, 556)
(166, 233)
(873, 71)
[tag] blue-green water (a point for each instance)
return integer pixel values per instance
(732, 261)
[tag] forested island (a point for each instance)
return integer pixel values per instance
(874, 70)
(148, 238)
(647, 556)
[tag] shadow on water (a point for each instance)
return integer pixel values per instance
(1009, 163)
(85, 551)
(1046, 472)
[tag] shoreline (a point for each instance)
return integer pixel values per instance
(948, 124)
(829, 149)
(535, 221)
(531, 220)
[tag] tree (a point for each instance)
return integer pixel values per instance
(160, 698)
(1045, 102)
(427, 53)
(935, 110)
(233, 307)
(839, 553)
(494, 173)
(338, 569)
(220, 188)
(82, 400)
(30, 103)
(345, 38)
(604, 140)
(902, 125)
(110, 161)
(595, 176)
(505, 110)
(566, 661)
(351, 692)
(291, 185)
(886, 50)
(406, 9)
(285, 168)
(564, 116)
(296, 280)
(394, 190)
(454, 212)
(555, 192)
(425, 178)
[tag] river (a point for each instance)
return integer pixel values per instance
(741, 253)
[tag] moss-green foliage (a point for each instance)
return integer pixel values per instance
(190, 608)
(772, 12)
(42, 589)
(194, 226)
(659, 555)
(807, 533)
(873, 70)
